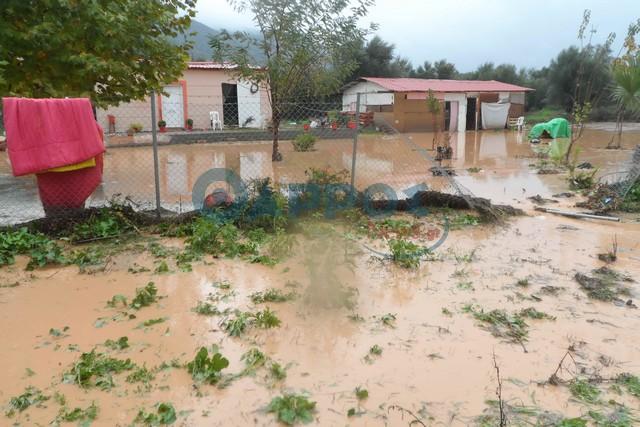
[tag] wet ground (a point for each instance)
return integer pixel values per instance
(437, 360)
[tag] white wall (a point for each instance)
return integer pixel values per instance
(368, 97)
(461, 98)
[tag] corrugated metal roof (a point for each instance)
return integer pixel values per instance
(424, 85)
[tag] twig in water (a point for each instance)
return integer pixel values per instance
(503, 415)
(403, 411)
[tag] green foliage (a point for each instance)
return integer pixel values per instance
(465, 220)
(253, 359)
(31, 396)
(582, 180)
(619, 417)
(96, 370)
(164, 414)
(87, 257)
(277, 372)
(267, 319)
(206, 309)
(584, 391)
(407, 254)
(573, 422)
(503, 325)
(304, 142)
(532, 313)
(237, 325)
(120, 344)
(376, 350)
(272, 295)
(83, 416)
(140, 375)
(630, 382)
(388, 320)
(40, 248)
(161, 267)
(88, 49)
(215, 238)
(152, 322)
(303, 56)
(292, 408)
(361, 393)
(207, 369)
(108, 222)
(145, 296)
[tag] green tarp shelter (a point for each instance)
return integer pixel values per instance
(554, 128)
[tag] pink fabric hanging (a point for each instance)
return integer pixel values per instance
(48, 133)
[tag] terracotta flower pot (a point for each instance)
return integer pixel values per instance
(334, 125)
(163, 129)
(307, 127)
(351, 125)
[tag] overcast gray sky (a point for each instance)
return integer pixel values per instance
(469, 32)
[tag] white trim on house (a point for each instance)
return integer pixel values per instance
(368, 97)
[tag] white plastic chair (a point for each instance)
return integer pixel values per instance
(520, 123)
(214, 119)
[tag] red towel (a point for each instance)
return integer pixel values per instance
(48, 133)
(69, 190)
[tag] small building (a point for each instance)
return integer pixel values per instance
(401, 102)
(205, 87)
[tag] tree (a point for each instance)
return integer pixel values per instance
(425, 71)
(626, 77)
(445, 70)
(376, 58)
(434, 107)
(401, 67)
(588, 89)
(110, 50)
(304, 43)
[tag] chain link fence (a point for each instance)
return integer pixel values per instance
(157, 149)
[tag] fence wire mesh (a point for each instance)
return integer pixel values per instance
(235, 132)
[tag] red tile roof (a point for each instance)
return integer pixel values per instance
(423, 85)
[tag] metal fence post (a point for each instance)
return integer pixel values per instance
(154, 137)
(355, 143)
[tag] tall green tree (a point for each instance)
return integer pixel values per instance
(425, 71)
(109, 50)
(375, 58)
(445, 70)
(304, 43)
(626, 77)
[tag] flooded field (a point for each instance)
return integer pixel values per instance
(424, 343)
(396, 160)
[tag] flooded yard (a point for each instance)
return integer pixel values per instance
(424, 343)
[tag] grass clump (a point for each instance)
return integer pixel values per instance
(375, 350)
(119, 344)
(630, 382)
(272, 295)
(31, 396)
(407, 254)
(532, 313)
(304, 142)
(152, 322)
(96, 370)
(502, 324)
(584, 391)
(604, 284)
(205, 369)
(292, 408)
(164, 414)
(84, 417)
(267, 319)
(141, 375)
(361, 393)
(107, 222)
(238, 325)
(145, 296)
(206, 309)
(464, 220)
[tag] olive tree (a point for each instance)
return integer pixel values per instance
(302, 42)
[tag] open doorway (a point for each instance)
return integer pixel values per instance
(230, 104)
(471, 113)
(447, 115)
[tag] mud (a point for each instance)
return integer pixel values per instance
(436, 361)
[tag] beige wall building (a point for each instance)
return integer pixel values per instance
(205, 89)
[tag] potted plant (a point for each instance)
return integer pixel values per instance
(162, 125)
(351, 124)
(189, 124)
(306, 125)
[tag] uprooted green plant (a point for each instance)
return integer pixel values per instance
(84, 417)
(40, 248)
(31, 396)
(207, 369)
(96, 370)
(164, 414)
(292, 408)
(272, 295)
(407, 254)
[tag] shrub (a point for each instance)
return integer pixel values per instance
(304, 142)
(135, 127)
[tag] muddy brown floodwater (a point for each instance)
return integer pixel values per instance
(436, 360)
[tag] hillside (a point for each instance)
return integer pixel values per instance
(201, 50)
